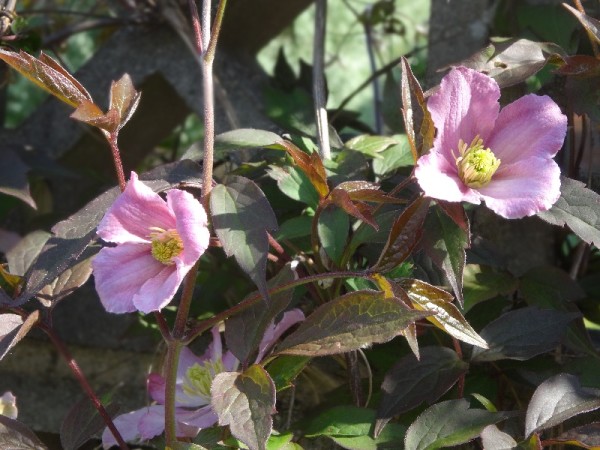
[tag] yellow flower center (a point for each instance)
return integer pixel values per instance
(476, 164)
(198, 378)
(166, 245)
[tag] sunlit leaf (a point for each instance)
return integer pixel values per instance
(447, 317)
(578, 208)
(47, 74)
(357, 209)
(333, 227)
(245, 401)
(242, 217)
(558, 399)
(124, 99)
(591, 25)
(311, 165)
(66, 283)
(522, 334)
(449, 423)
(417, 119)
(494, 439)
(411, 382)
(586, 436)
(295, 184)
(355, 320)
(350, 428)
(371, 146)
(91, 114)
(405, 234)
(13, 328)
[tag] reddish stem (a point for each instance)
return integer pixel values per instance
(64, 352)
(116, 154)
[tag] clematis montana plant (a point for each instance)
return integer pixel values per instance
(193, 388)
(481, 153)
(158, 242)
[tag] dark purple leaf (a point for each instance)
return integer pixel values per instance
(16, 436)
(578, 208)
(411, 382)
(244, 331)
(591, 25)
(586, 436)
(445, 242)
(448, 424)
(21, 256)
(242, 217)
(13, 177)
(13, 328)
(245, 401)
(82, 423)
(558, 399)
(350, 322)
(404, 235)
(522, 334)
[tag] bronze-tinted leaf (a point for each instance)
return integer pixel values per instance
(311, 165)
(47, 73)
(124, 99)
(417, 119)
(404, 235)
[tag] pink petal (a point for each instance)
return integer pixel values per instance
(466, 105)
(127, 424)
(153, 422)
(524, 188)
(186, 360)
(201, 418)
(133, 213)
(155, 384)
(530, 126)
(274, 332)
(230, 362)
(191, 224)
(439, 179)
(157, 291)
(120, 272)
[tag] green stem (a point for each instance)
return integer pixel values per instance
(172, 363)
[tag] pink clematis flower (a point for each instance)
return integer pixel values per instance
(193, 396)
(481, 153)
(158, 242)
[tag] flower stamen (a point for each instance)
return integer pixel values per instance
(166, 245)
(198, 378)
(476, 164)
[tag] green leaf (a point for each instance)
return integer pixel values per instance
(242, 217)
(578, 208)
(293, 228)
(245, 402)
(426, 297)
(371, 146)
(350, 427)
(350, 322)
(558, 399)
(285, 368)
(333, 229)
(13, 177)
(522, 334)
(295, 184)
(445, 243)
(482, 283)
(247, 138)
(411, 382)
(244, 331)
(404, 235)
(449, 423)
(393, 158)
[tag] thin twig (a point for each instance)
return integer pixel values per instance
(319, 79)
(373, 65)
(72, 363)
